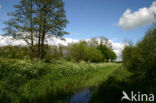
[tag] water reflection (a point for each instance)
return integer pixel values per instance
(81, 96)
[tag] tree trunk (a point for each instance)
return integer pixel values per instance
(40, 34)
(43, 30)
(39, 39)
(31, 30)
(42, 46)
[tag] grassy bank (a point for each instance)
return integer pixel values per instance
(120, 80)
(24, 80)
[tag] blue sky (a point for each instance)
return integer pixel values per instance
(93, 18)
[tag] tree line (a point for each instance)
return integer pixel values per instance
(89, 51)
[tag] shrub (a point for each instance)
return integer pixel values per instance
(141, 59)
(14, 52)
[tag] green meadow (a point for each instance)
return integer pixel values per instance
(29, 81)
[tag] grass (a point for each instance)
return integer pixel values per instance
(120, 80)
(25, 80)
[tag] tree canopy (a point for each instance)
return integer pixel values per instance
(34, 20)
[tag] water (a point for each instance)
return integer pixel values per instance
(81, 96)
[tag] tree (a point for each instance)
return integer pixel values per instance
(51, 20)
(141, 58)
(82, 51)
(95, 42)
(148, 52)
(77, 50)
(39, 19)
(112, 55)
(107, 53)
(93, 55)
(126, 56)
(21, 26)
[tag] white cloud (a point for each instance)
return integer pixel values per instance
(117, 48)
(57, 41)
(143, 16)
(8, 40)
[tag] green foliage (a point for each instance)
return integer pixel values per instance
(14, 74)
(141, 59)
(112, 55)
(35, 20)
(15, 52)
(120, 80)
(81, 51)
(93, 55)
(54, 53)
(24, 80)
(77, 50)
(94, 42)
(107, 53)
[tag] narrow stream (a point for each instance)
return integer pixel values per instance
(81, 96)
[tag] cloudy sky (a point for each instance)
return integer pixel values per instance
(117, 20)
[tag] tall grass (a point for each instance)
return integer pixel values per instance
(24, 80)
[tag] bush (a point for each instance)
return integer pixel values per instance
(14, 74)
(141, 59)
(14, 52)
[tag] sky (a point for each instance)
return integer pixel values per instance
(92, 18)
(117, 20)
